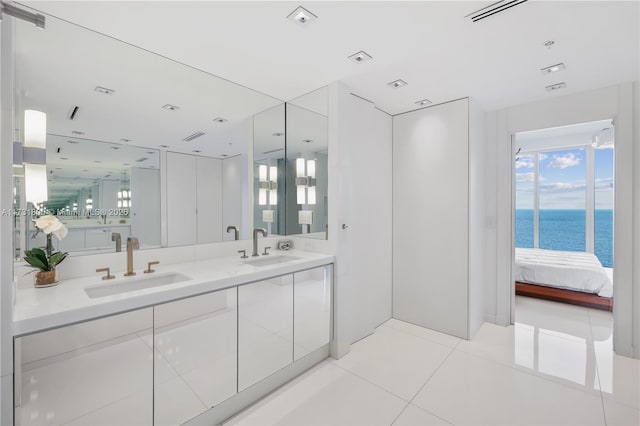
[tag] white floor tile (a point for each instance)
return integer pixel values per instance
(471, 390)
(619, 376)
(326, 395)
(620, 415)
(398, 362)
(425, 333)
(558, 319)
(413, 415)
(567, 361)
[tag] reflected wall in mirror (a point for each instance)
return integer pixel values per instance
(307, 165)
(269, 170)
(103, 98)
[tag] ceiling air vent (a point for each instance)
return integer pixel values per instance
(273, 150)
(140, 160)
(193, 136)
(492, 9)
(73, 112)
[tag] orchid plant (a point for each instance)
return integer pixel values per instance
(47, 259)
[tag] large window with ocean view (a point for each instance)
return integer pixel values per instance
(564, 195)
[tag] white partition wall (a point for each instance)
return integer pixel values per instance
(209, 200)
(438, 219)
(181, 199)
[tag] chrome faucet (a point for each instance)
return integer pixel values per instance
(132, 244)
(255, 239)
(115, 236)
(236, 231)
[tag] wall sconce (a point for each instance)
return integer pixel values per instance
(306, 181)
(268, 185)
(89, 204)
(34, 156)
(124, 199)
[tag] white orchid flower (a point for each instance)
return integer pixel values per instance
(50, 224)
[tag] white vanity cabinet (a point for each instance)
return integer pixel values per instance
(95, 372)
(265, 329)
(312, 310)
(197, 338)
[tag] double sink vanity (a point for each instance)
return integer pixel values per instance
(193, 341)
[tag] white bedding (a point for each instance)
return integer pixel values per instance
(570, 270)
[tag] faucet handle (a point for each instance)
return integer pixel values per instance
(108, 271)
(244, 254)
(266, 253)
(149, 270)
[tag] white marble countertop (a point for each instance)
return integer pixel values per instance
(90, 225)
(39, 309)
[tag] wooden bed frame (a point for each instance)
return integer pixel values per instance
(579, 298)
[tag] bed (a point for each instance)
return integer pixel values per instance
(557, 275)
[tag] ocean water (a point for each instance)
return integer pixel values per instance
(565, 230)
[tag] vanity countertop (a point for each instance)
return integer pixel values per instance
(91, 225)
(39, 309)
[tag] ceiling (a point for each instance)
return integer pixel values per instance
(567, 136)
(430, 45)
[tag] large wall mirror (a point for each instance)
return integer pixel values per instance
(136, 144)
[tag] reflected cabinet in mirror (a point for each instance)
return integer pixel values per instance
(136, 145)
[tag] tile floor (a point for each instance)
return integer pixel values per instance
(555, 366)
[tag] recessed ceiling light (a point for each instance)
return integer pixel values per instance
(423, 102)
(151, 152)
(307, 140)
(126, 164)
(85, 170)
(553, 68)
(224, 155)
(125, 140)
(196, 151)
(361, 56)
(556, 86)
(104, 90)
(397, 83)
(302, 16)
(73, 142)
(115, 147)
(163, 146)
(77, 132)
(58, 168)
(170, 107)
(64, 158)
(220, 120)
(278, 134)
(97, 161)
(549, 43)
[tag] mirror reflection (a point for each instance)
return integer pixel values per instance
(307, 165)
(136, 144)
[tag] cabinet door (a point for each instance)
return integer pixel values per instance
(312, 310)
(181, 199)
(198, 338)
(97, 372)
(265, 329)
(97, 238)
(209, 199)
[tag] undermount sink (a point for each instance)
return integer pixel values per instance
(132, 284)
(266, 261)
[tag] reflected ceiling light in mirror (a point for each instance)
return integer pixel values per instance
(73, 142)
(301, 16)
(423, 102)
(553, 68)
(164, 146)
(220, 120)
(170, 107)
(35, 129)
(115, 147)
(278, 134)
(361, 56)
(196, 151)
(104, 90)
(125, 140)
(556, 86)
(77, 132)
(35, 176)
(268, 184)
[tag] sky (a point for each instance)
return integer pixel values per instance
(562, 179)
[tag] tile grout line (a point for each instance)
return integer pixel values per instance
(604, 411)
(421, 337)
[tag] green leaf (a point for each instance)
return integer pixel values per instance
(36, 263)
(36, 252)
(57, 258)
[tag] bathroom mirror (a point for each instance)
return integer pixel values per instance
(307, 165)
(108, 105)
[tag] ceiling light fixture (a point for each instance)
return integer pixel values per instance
(170, 107)
(556, 86)
(423, 102)
(397, 83)
(553, 68)
(104, 90)
(97, 161)
(278, 134)
(163, 146)
(220, 120)
(307, 140)
(115, 147)
(361, 56)
(193, 136)
(125, 140)
(301, 16)
(549, 43)
(77, 132)
(73, 113)
(73, 142)
(196, 151)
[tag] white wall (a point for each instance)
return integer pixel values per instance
(145, 210)
(208, 200)
(615, 102)
(360, 197)
(431, 217)
(233, 179)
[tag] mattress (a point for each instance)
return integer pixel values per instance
(570, 270)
